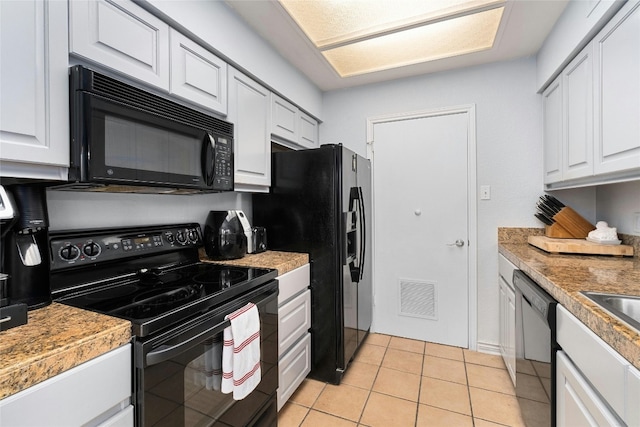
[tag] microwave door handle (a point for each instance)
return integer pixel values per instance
(208, 158)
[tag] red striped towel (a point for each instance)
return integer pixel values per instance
(241, 352)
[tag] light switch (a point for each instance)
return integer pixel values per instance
(485, 192)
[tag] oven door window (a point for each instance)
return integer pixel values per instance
(184, 389)
(129, 145)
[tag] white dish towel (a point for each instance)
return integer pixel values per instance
(241, 352)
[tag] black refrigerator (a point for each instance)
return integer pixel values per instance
(320, 204)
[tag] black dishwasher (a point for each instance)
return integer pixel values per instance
(535, 351)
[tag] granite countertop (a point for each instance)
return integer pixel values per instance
(564, 276)
(56, 338)
(284, 262)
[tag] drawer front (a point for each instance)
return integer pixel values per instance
(78, 396)
(293, 367)
(599, 363)
(294, 320)
(293, 282)
(505, 269)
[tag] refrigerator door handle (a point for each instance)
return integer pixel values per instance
(356, 269)
(363, 233)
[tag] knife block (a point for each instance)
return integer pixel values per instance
(557, 231)
(569, 224)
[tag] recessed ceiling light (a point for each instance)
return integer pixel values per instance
(357, 36)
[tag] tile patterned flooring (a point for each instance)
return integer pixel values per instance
(401, 382)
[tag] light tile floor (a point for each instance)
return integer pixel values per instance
(401, 382)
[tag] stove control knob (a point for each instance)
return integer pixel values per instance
(170, 238)
(193, 236)
(69, 252)
(182, 237)
(91, 249)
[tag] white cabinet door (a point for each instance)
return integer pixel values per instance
(249, 112)
(617, 92)
(289, 123)
(84, 395)
(284, 119)
(122, 36)
(34, 89)
(552, 116)
(577, 402)
(507, 308)
(197, 75)
(308, 135)
(294, 320)
(577, 89)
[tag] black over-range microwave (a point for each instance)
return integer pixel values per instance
(126, 136)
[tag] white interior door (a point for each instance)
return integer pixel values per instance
(421, 212)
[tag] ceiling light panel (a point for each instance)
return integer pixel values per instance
(443, 39)
(334, 22)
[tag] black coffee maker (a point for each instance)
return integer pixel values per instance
(25, 251)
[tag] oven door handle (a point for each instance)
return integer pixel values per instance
(166, 352)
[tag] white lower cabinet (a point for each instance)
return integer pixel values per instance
(595, 385)
(507, 308)
(95, 393)
(294, 339)
(578, 404)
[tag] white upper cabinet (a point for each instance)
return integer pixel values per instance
(284, 118)
(568, 122)
(591, 111)
(577, 80)
(249, 111)
(552, 120)
(617, 92)
(308, 131)
(122, 36)
(197, 75)
(290, 124)
(34, 90)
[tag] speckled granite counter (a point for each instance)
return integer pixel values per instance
(281, 261)
(56, 338)
(564, 276)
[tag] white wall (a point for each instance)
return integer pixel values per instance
(509, 147)
(76, 210)
(617, 204)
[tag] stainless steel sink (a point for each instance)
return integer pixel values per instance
(624, 307)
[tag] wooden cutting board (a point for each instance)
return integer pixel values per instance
(578, 246)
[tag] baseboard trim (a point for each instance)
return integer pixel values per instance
(489, 348)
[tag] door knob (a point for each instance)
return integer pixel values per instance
(459, 243)
(417, 212)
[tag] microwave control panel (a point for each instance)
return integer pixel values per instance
(77, 250)
(223, 165)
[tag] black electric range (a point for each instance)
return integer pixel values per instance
(150, 276)
(179, 308)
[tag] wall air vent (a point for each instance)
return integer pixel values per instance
(418, 299)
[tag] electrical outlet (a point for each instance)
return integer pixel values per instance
(636, 222)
